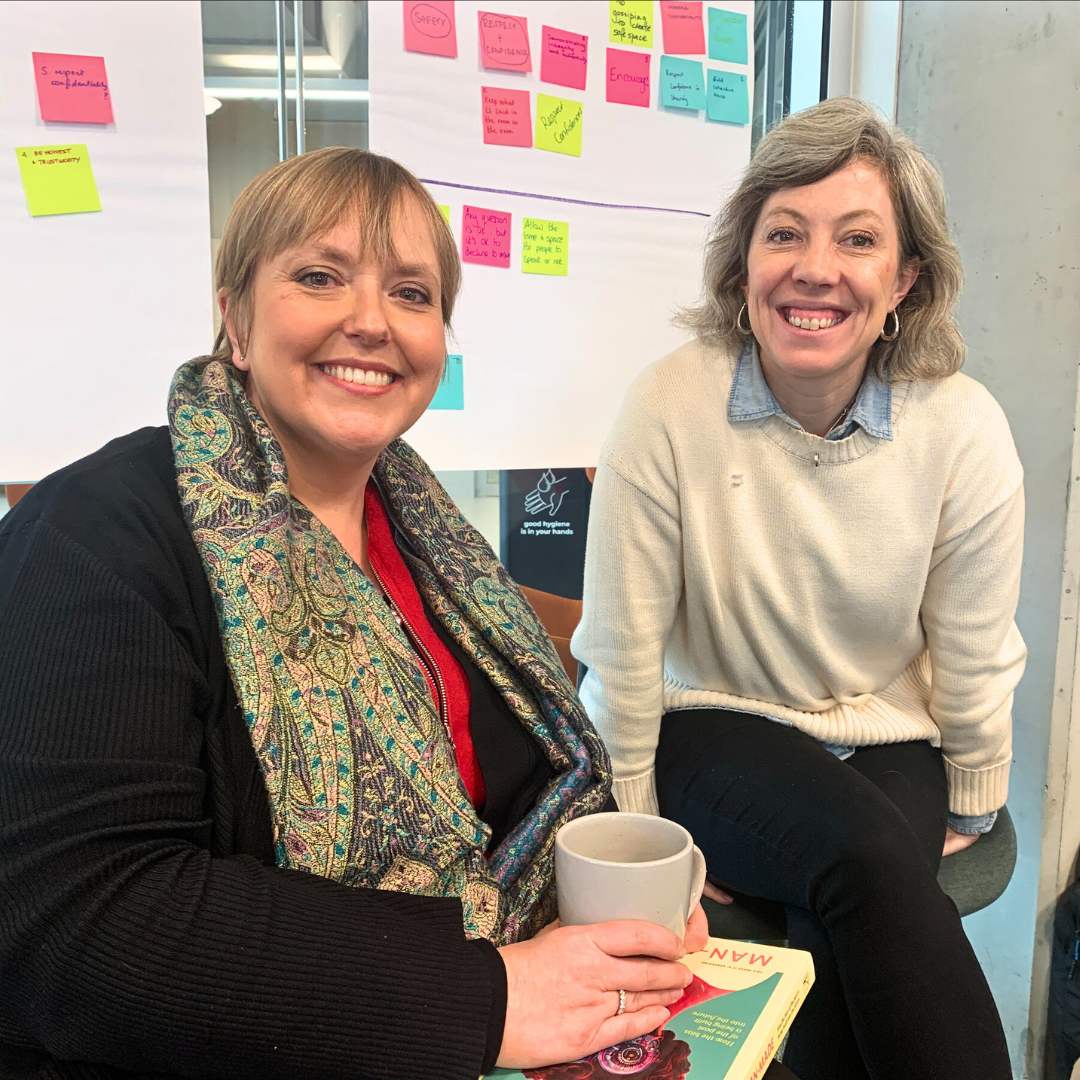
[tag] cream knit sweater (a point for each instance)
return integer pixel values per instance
(862, 590)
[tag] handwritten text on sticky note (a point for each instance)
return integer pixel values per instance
(57, 179)
(430, 27)
(558, 124)
(485, 236)
(682, 83)
(72, 89)
(631, 22)
(450, 393)
(727, 36)
(504, 42)
(728, 100)
(684, 31)
(564, 57)
(545, 247)
(628, 77)
(507, 120)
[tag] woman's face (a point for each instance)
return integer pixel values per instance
(823, 270)
(345, 352)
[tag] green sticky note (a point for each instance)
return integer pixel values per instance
(727, 36)
(682, 83)
(445, 211)
(57, 179)
(451, 391)
(558, 124)
(728, 99)
(545, 247)
(631, 22)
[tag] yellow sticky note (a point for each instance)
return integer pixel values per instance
(558, 124)
(445, 211)
(631, 22)
(545, 247)
(57, 179)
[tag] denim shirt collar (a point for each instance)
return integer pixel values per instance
(751, 399)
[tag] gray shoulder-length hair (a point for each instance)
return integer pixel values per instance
(809, 146)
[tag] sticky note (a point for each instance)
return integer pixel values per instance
(430, 27)
(451, 390)
(728, 100)
(684, 32)
(564, 57)
(631, 22)
(628, 77)
(727, 36)
(545, 247)
(504, 42)
(507, 117)
(57, 179)
(445, 211)
(72, 89)
(558, 124)
(682, 83)
(485, 236)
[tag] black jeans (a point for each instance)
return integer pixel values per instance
(851, 849)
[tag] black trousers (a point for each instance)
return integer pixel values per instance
(851, 849)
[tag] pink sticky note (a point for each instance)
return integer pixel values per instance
(628, 77)
(504, 42)
(430, 27)
(485, 236)
(684, 31)
(507, 116)
(564, 57)
(72, 89)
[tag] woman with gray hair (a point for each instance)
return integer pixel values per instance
(800, 587)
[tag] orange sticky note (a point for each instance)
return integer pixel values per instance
(430, 27)
(72, 89)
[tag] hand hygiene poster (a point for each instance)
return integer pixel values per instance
(579, 149)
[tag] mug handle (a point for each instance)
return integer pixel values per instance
(697, 881)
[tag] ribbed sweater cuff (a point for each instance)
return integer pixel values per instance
(497, 1013)
(637, 794)
(977, 791)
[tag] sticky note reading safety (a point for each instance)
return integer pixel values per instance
(558, 124)
(727, 36)
(682, 83)
(564, 57)
(504, 42)
(628, 77)
(545, 247)
(631, 23)
(684, 32)
(57, 179)
(430, 27)
(451, 391)
(485, 236)
(728, 100)
(445, 211)
(506, 115)
(72, 89)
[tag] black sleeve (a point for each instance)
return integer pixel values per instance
(123, 941)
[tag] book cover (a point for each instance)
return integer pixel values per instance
(727, 1026)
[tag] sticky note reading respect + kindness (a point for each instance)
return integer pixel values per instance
(558, 124)
(545, 247)
(57, 179)
(504, 42)
(682, 83)
(630, 23)
(72, 89)
(430, 27)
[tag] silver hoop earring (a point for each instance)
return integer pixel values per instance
(896, 327)
(748, 329)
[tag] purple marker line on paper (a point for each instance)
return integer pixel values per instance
(565, 199)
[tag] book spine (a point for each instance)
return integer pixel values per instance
(776, 1037)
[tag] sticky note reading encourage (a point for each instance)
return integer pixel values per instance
(727, 36)
(728, 100)
(545, 247)
(684, 32)
(451, 391)
(558, 124)
(430, 27)
(57, 179)
(564, 57)
(631, 23)
(507, 119)
(682, 83)
(504, 42)
(628, 77)
(485, 236)
(72, 89)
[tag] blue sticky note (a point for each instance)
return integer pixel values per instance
(727, 36)
(728, 99)
(682, 83)
(451, 391)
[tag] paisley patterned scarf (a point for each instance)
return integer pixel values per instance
(361, 776)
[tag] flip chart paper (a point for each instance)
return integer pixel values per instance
(631, 23)
(507, 119)
(430, 27)
(485, 236)
(727, 36)
(57, 179)
(545, 247)
(628, 77)
(682, 83)
(684, 31)
(558, 124)
(72, 89)
(504, 41)
(451, 391)
(728, 100)
(564, 57)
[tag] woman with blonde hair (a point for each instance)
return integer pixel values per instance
(802, 573)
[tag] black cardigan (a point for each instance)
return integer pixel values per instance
(144, 928)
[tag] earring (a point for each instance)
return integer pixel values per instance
(896, 327)
(738, 322)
